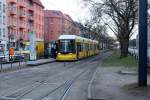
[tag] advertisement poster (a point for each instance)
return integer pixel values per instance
(32, 47)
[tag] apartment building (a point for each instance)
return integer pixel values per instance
(57, 23)
(25, 16)
(3, 26)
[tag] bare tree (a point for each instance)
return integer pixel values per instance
(97, 32)
(123, 13)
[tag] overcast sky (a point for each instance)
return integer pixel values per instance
(74, 8)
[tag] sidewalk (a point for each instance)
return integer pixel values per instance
(19, 65)
(109, 83)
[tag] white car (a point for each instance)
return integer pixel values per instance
(4, 57)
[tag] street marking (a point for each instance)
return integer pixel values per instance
(90, 85)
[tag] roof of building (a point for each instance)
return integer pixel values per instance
(67, 17)
(53, 13)
(57, 14)
(38, 2)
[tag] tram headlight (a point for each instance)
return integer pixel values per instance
(59, 53)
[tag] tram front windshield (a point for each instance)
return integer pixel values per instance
(67, 46)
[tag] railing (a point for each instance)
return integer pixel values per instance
(31, 17)
(22, 14)
(13, 1)
(22, 25)
(16, 62)
(12, 10)
(12, 24)
(134, 52)
(22, 4)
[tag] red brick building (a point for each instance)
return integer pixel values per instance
(57, 23)
(25, 16)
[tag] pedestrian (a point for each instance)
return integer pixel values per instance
(11, 54)
(52, 51)
(56, 49)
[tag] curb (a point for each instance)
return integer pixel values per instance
(124, 72)
(90, 85)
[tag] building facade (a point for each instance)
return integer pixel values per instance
(24, 16)
(57, 23)
(52, 24)
(3, 26)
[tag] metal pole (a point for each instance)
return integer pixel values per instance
(9, 41)
(64, 64)
(1, 66)
(11, 64)
(142, 71)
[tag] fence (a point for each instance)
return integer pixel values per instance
(15, 63)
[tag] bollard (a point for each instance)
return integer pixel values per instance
(64, 64)
(11, 64)
(25, 61)
(1, 67)
(19, 63)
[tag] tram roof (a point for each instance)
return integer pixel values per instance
(74, 37)
(68, 37)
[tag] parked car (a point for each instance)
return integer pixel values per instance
(23, 54)
(4, 57)
(18, 57)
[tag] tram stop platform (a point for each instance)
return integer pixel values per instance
(40, 62)
(115, 83)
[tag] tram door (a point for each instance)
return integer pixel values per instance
(78, 49)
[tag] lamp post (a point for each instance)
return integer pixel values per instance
(142, 71)
(9, 27)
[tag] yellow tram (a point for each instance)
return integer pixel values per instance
(72, 47)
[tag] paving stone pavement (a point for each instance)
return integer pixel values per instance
(109, 84)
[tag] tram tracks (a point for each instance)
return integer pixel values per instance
(67, 84)
(26, 90)
(70, 83)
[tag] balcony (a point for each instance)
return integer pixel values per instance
(12, 10)
(30, 27)
(12, 24)
(22, 14)
(22, 26)
(31, 18)
(30, 8)
(13, 1)
(22, 4)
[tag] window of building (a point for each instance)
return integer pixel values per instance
(4, 31)
(0, 19)
(0, 32)
(4, 8)
(4, 20)
(0, 6)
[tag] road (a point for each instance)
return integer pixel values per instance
(54, 81)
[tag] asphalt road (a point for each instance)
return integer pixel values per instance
(54, 81)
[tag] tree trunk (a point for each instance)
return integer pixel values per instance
(124, 48)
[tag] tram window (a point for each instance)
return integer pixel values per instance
(94, 47)
(82, 48)
(67, 46)
(86, 47)
(90, 47)
(79, 47)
